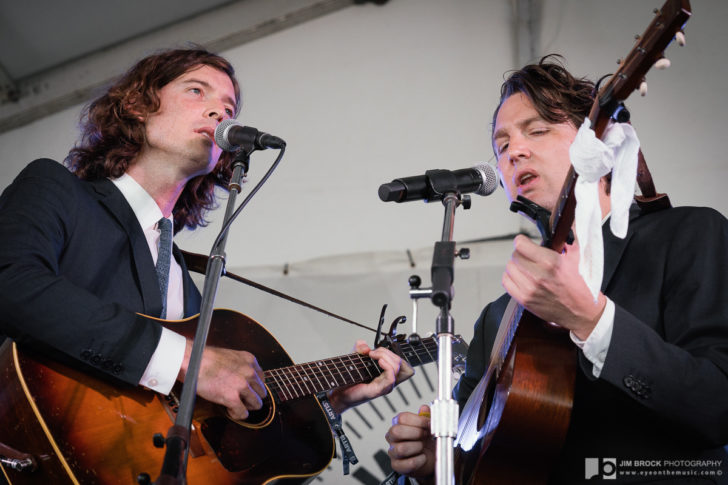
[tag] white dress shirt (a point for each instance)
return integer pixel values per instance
(596, 345)
(163, 368)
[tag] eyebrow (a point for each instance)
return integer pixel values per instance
(226, 99)
(521, 124)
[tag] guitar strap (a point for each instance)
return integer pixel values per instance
(347, 451)
(198, 263)
(649, 201)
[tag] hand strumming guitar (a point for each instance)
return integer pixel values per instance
(231, 378)
(548, 284)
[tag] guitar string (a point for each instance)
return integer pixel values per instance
(279, 385)
(319, 374)
(304, 381)
(417, 352)
(280, 376)
(332, 363)
(329, 363)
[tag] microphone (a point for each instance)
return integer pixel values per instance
(481, 179)
(230, 134)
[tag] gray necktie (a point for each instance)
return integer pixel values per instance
(163, 260)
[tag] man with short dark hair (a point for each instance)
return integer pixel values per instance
(652, 374)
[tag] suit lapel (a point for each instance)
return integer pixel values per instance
(114, 201)
(191, 294)
(614, 247)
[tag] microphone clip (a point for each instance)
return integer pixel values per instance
(241, 156)
(441, 182)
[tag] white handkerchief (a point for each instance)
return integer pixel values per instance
(593, 158)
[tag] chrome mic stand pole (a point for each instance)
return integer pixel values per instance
(444, 423)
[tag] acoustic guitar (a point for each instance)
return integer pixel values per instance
(74, 428)
(513, 426)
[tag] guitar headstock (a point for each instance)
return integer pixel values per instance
(417, 350)
(647, 52)
(459, 355)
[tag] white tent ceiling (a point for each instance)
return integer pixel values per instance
(54, 53)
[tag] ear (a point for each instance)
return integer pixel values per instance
(605, 183)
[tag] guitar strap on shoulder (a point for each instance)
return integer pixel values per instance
(347, 451)
(650, 200)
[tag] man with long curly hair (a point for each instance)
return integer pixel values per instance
(80, 244)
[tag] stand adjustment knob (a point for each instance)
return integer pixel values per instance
(158, 440)
(144, 479)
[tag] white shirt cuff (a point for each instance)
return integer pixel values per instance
(596, 345)
(163, 367)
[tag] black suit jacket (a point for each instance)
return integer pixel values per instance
(75, 269)
(663, 390)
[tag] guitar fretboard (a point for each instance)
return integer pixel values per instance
(311, 378)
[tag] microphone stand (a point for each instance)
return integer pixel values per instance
(444, 422)
(174, 465)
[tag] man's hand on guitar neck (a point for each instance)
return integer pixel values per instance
(231, 378)
(394, 371)
(411, 445)
(549, 285)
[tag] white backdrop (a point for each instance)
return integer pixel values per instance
(368, 94)
(371, 93)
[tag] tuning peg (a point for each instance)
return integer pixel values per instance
(643, 88)
(680, 38)
(662, 63)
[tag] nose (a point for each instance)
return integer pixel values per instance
(518, 149)
(216, 110)
(213, 113)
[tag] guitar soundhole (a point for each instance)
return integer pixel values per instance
(261, 417)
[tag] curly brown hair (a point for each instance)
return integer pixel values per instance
(113, 131)
(556, 94)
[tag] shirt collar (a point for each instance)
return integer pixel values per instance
(145, 208)
(606, 217)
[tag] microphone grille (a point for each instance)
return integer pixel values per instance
(490, 178)
(221, 134)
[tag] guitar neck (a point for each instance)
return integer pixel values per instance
(311, 378)
(632, 70)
